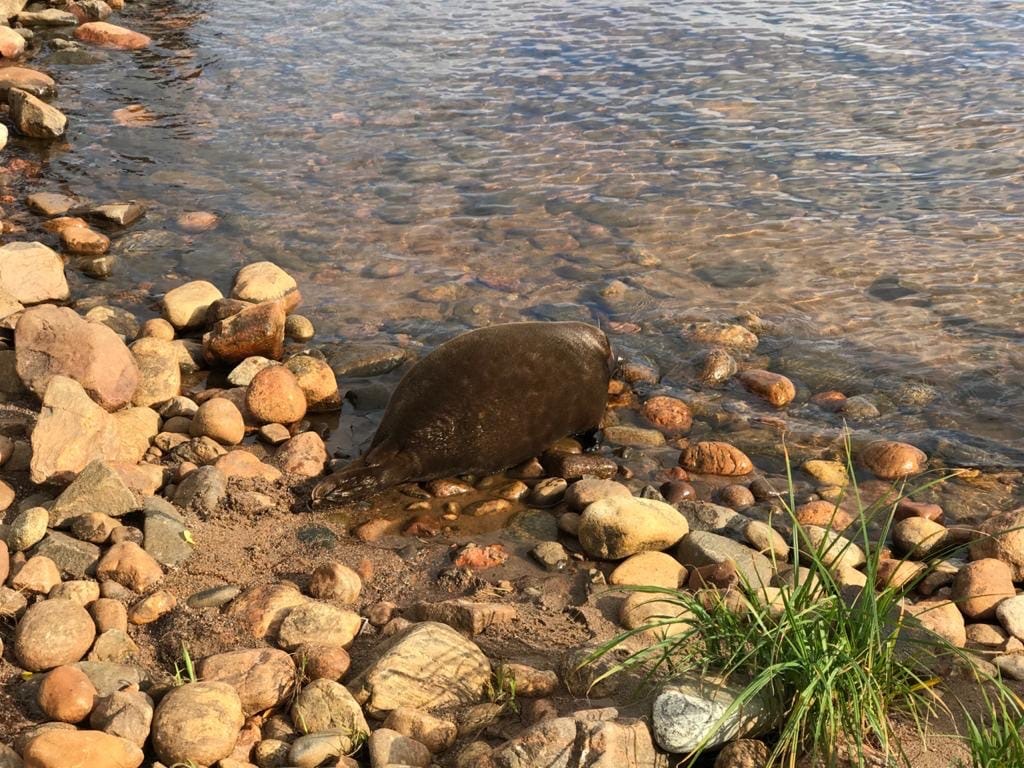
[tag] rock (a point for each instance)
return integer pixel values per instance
(202, 490)
(1002, 538)
(736, 496)
(53, 748)
(114, 646)
(716, 367)
(152, 607)
(242, 464)
(659, 616)
(159, 375)
(110, 677)
(1011, 666)
(668, 414)
(834, 550)
(27, 529)
(12, 603)
(54, 341)
(743, 753)
(198, 722)
(479, 558)
(111, 36)
(186, 306)
(766, 540)
(52, 633)
(389, 747)
(357, 360)
(299, 328)
(980, 586)
(97, 488)
(318, 623)
(700, 548)
(142, 479)
(551, 555)
(827, 473)
(198, 221)
(120, 321)
(943, 618)
(720, 335)
(262, 677)
(918, 537)
(131, 566)
(48, 17)
(199, 450)
(1010, 613)
(128, 714)
(77, 559)
(317, 382)
(635, 437)
(219, 419)
(890, 460)
(428, 666)
(122, 214)
(774, 388)
(265, 281)
(80, 591)
(585, 492)
(330, 662)
(705, 713)
(31, 81)
(566, 742)
(615, 528)
(303, 456)
(39, 575)
(655, 569)
(255, 331)
(467, 616)
(825, 514)
(84, 241)
(572, 466)
(261, 609)
(241, 375)
(34, 117)
(316, 748)
(274, 396)
(214, 597)
(66, 695)
(158, 328)
(715, 458)
(325, 705)
(12, 46)
(550, 491)
(43, 203)
(334, 581)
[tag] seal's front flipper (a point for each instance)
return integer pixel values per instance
(356, 481)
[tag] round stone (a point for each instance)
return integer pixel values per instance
(891, 460)
(66, 695)
(274, 396)
(219, 419)
(197, 722)
(52, 633)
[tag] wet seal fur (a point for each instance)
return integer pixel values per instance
(482, 402)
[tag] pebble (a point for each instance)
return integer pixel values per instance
(152, 607)
(298, 328)
(38, 576)
(828, 473)
(615, 528)
(334, 581)
(198, 722)
(825, 514)
(325, 705)
(675, 491)
(717, 366)
(128, 714)
(551, 555)
(219, 419)
(906, 508)
(548, 492)
(774, 388)
(197, 221)
(701, 548)
(918, 537)
(66, 695)
(980, 586)
(572, 466)
(891, 460)
(319, 623)
(736, 497)
(330, 662)
(388, 747)
(84, 241)
(304, 455)
(27, 529)
(109, 35)
(275, 434)
(1002, 538)
(52, 633)
(265, 281)
(668, 414)
(214, 597)
(585, 492)
(34, 117)
(1010, 613)
(715, 458)
(436, 734)
(114, 646)
(186, 306)
(833, 549)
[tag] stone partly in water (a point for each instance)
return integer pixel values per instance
(265, 281)
(317, 381)
(774, 388)
(35, 118)
(615, 528)
(186, 305)
(12, 45)
(111, 36)
(31, 273)
(715, 458)
(890, 460)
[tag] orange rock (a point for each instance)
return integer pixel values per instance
(111, 36)
(830, 400)
(824, 514)
(242, 464)
(61, 223)
(66, 694)
(980, 586)
(477, 558)
(12, 45)
(669, 414)
(715, 458)
(198, 221)
(84, 241)
(274, 396)
(890, 460)
(59, 748)
(773, 387)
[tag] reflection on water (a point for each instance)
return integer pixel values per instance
(853, 177)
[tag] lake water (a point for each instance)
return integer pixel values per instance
(851, 176)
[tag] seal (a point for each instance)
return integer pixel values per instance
(481, 402)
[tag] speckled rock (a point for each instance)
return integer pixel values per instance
(53, 633)
(263, 677)
(323, 705)
(198, 722)
(715, 458)
(274, 396)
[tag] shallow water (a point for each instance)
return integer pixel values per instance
(853, 177)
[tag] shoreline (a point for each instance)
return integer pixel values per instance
(156, 487)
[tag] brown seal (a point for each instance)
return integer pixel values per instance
(482, 402)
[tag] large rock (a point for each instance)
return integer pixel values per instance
(980, 586)
(34, 117)
(701, 548)
(11, 8)
(566, 742)
(98, 488)
(72, 431)
(53, 633)
(326, 705)
(262, 677)
(890, 460)
(29, 80)
(60, 748)
(186, 305)
(55, 341)
(219, 419)
(32, 273)
(159, 374)
(617, 527)
(197, 722)
(111, 36)
(1002, 538)
(255, 331)
(261, 609)
(317, 381)
(265, 281)
(130, 566)
(704, 713)
(427, 666)
(318, 624)
(715, 458)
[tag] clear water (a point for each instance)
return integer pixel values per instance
(851, 173)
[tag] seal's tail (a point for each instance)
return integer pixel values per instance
(355, 481)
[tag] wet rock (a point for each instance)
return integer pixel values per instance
(120, 321)
(427, 666)
(298, 328)
(129, 565)
(262, 677)
(825, 514)
(186, 306)
(55, 341)
(716, 367)
(980, 586)
(669, 414)
(435, 734)
(261, 609)
(917, 537)
(303, 456)
(636, 437)
(584, 492)
(615, 528)
(111, 36)
(198, 722)
(97, 488)
(198, 221)
(66, 695)
(720, 335)
(715, 458)
(358, 360)
(827, 473)
(318, 623)
(43, 203)
(906, 508)
(325, 705)
(655, 569)
(334, 581)
(1002, 538)
(551, 555)
(833, 549)
(53, 633)
(774, 388)
(705, 713)
(39, 575)
(890, 460)
(255, 331)
(567, 742)
(274, 396)
(83, 241)
(51, 748)
(265, 281)
(701, 548)
(317, 382)
(127, 714)
(737, 497)
(202, 490)
(77, 559)
(48, 17)
(575, 466)
(27, 528)
(34, 117)
(219, 419)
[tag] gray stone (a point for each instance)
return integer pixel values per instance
(108, 677)
(164, 536)
(214, 597)
(358, 360)
(34, 117)
(551, 555)
(579, 742)
(98, 488)
(704, 548)
(75, 559)
(201, 490)
(127, 714)
(1010, 613)
(705, 516)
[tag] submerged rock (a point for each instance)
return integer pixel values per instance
(34, 117)
(111, 36)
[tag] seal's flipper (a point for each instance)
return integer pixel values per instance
(375, 472)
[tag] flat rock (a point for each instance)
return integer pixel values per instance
(700, 548)
(469, 616)
(129, 565)
(704, 713)
(261, 609)
(567, 742)
(359, 360)
(32, 273)
(165, 537)
(111, 36)
(73, 558)
(186, 305)
(97, 488)
(127, 714)
(318, 623)
(43, 203)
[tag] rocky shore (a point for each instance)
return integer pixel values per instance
(168, 599)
